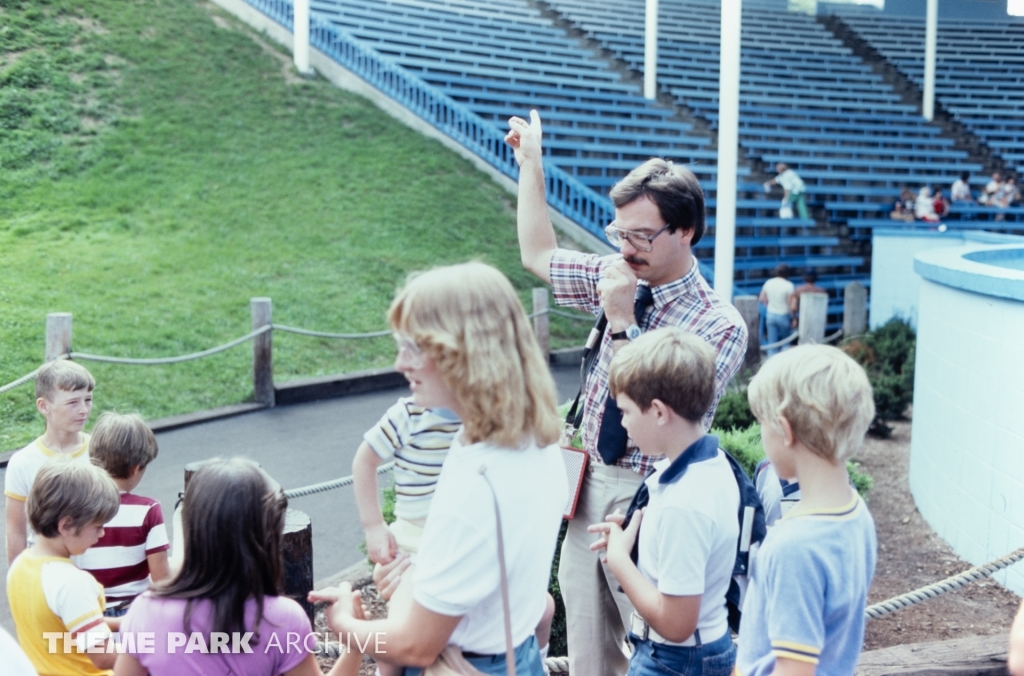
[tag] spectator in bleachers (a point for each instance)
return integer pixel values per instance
(903, 207)
(1007, 194)
(961, 190)
(777, 293)
(924, 207)
(810, 278)
(793, 187)
(940, 204)
(990, 191)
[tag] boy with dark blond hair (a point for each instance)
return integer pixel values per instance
(50, 598)
(804, 609)
(64, 399)
(685, 538)
(133, 551)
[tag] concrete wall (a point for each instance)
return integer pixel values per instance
(967, 448)
(894, 284)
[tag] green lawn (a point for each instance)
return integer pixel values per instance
(157, 171)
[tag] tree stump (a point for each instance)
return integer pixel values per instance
(297, 551)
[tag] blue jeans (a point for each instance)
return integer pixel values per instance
(528, 662)
(779, 327)
(658, 659)
(119, 611)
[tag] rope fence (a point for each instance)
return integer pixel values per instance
(942, 586)
(20, 381)
(329, 485)
(67, 353)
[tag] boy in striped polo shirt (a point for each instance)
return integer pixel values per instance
(804, 609)
(418, 439)
(133, 550)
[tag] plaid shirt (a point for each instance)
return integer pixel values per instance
(688, 303)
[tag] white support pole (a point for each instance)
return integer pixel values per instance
(651, 51)
(300, 33)
(931, 37)
(728, 147)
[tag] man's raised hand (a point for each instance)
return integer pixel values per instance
(524, 137)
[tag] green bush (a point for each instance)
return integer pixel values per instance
(733, 412)
(745, 446)
(887, 354)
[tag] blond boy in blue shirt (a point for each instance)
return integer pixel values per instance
(804, 610)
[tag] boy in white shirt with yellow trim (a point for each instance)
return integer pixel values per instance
(64, 399)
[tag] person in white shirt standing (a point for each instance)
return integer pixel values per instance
(793, 187)
(776, 293)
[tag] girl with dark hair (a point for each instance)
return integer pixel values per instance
(222, 613)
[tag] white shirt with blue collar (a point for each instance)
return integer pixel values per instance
(687, 541)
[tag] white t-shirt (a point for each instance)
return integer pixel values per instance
(13, 657)
(961, 192)
(688, 537)
(790, 181)
(778, 290)
(23, 467)
(458, 572)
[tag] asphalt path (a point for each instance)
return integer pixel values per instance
(298, 445)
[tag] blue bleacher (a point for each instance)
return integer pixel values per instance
(505, 60)
(979, 71)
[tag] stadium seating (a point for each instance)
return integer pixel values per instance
(503, 60)
(979, 72)
(806, 100)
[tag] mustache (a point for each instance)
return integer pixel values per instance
(635, 260)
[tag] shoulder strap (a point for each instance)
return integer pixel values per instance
(510, 654)
(575, 415)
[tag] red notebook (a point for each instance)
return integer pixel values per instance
(575, 467)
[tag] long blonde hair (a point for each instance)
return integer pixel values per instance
(469, 321)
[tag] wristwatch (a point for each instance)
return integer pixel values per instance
(631, 333)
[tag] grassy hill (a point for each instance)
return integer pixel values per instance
(159, 167)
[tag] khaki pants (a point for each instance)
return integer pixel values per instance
(597, 613)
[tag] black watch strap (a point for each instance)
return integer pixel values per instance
(620, 335)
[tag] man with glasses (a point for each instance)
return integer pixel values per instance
(659, 217)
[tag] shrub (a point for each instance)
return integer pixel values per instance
(745, 446)
(887, 354)
(733, 412)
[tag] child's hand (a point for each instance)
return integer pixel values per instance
(387, 577)
(342, 610)
(380, 544)
(616, 541)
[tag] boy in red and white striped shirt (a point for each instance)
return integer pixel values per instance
(133, 550)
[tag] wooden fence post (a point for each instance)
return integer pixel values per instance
(262, 353)
(297, 551)
(541, 326)
(300, 36)
(813, 315)
(747, 306)
(855, 309)
(58, 335)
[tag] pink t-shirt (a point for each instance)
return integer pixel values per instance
(156, 627)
